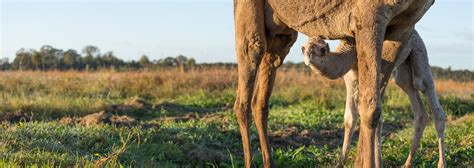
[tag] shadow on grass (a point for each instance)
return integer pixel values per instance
(179, 144)
(137, 108)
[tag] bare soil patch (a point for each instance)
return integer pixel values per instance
(100, 118)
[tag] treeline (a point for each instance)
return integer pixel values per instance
(448, 73)
(91, 59)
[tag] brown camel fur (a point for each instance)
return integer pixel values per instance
(265, 30)
(413, 75)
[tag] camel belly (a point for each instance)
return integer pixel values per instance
(333, 19)
(329, 19)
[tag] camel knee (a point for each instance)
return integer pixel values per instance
(242, 110)
(439, 115)
(372, 117)
(350, 116)
(421, 75)
(423, 84)
(251, 50)
(404, 79)
(421, 118)
(256, 44)
(348, 121)
(440, 121)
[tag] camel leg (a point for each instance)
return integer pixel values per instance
(440, 123)
(278, 48)
(423, 81)
(266, 77)
(369, 41)
(350, 115)
(394, 50)
(404, 80)
(242, 105)
(378, 143)
(350, 118)
(372, 85)
(250, 46)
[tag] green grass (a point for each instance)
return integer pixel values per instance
(202, 142)
(305, 128)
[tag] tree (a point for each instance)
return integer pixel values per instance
(37, 60)
(168, 61)
(71, 59)
(90, 52)
(88, 62)
(109, 60)
(4, 64)
(23, 60)
(144, 61)
(181, 62)
(50, 57)
(191, 63)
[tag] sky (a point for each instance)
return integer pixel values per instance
(202, 29)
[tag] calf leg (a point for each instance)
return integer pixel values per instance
(423, 81)
(440, 122)
(404, 80)
(350, 118)
(351, 114)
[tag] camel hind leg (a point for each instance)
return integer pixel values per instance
(278, 48)
(250, 47)
(440, 122)
(423, 81)
(404, 80)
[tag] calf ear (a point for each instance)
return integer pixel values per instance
(302, 49)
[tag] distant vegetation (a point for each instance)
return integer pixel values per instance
(50, 58)
(91, 59)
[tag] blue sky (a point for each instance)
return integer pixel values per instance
(202, 29)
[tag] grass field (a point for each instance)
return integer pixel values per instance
(172, 119)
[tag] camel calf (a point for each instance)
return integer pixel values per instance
(413, 75)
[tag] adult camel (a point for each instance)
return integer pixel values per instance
(266, 29)
(413, 75)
